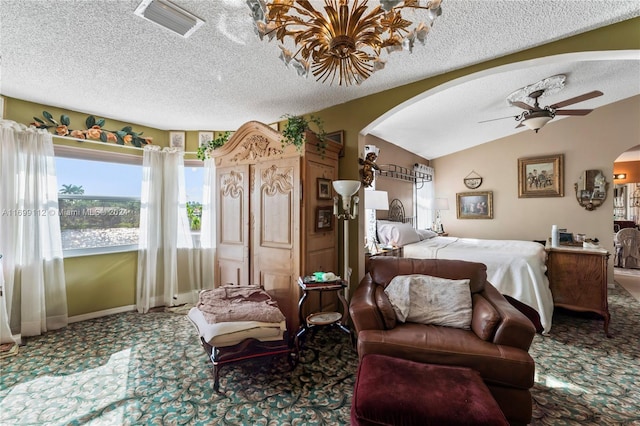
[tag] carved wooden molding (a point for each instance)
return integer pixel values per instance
(277, 181)
(231, 185)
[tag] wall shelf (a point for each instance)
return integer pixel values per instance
(396, 172)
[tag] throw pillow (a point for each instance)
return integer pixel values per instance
(431, 300)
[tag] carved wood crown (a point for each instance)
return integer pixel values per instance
(277, 181)
(254, 147)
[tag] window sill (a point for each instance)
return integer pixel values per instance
(97, 251)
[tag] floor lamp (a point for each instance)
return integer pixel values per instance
(346, 189)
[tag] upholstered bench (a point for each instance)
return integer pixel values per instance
(394, 391)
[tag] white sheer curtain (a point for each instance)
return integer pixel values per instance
(208, 225)
(30, 240)
(424, 196)
(165, 248)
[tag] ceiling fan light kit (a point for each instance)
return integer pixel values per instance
(535, 117)
(347, 39)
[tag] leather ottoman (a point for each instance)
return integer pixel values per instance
(394, 391)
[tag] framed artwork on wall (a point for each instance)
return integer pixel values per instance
(324, 218)
(204, 137)
(474, 205)
(324, 189)
(541, 176)
(176, 140)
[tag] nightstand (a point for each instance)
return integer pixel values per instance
(396, 251)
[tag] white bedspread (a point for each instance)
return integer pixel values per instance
(515, 268)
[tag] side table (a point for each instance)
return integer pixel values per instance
(318, 319)
(396, 251)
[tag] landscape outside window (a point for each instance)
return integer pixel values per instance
(99, 204)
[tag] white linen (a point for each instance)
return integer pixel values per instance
(232, 333)
(515, 268)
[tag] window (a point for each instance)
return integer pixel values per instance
(99, 205)
(193, 183)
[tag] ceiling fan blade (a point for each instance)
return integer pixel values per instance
(577, 99)
(573, 111)
(522, 105)
(495, 119)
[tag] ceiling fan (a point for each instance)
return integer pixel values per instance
(535, 117)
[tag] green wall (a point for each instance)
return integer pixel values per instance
(103, 282)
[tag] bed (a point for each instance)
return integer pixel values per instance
(516, 268)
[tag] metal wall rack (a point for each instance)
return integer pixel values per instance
(393, 171)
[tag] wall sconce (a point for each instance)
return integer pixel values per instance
(346, 189)
(619, 175)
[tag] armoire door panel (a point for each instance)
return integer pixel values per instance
(275, 215)
(276, 230)
(233, 225)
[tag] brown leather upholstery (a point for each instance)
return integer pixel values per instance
(496, 346)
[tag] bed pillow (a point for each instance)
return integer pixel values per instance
(425, 234)
(396, 233)
(431, 300)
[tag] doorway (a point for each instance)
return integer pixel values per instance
(626, 212)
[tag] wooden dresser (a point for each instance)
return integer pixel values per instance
(578, 280)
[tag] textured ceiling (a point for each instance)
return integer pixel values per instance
(98, 57)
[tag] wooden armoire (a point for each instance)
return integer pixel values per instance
(267, 200)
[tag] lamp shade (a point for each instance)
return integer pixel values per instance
(376, 200)
(537, 122)
(346, 188)
(438, 204)
(441, 204)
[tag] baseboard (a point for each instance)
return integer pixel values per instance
(98, 314)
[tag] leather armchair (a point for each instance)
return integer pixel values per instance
(496, 345)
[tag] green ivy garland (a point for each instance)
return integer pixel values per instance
(204, 150)
(296, 125)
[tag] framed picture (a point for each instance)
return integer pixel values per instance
(324, 218)
(204, 137)
(176, 140)
(337, 137)
(324, 189)
(541, 176)
(474, 205)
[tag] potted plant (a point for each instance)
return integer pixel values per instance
(296, 125)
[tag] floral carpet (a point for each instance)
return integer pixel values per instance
(132, 369)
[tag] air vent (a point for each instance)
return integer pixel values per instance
(170, 16)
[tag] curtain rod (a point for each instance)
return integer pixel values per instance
(104, 143)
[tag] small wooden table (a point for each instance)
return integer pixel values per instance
(317, 319)
(395, 251)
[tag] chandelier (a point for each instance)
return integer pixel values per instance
(347, 40)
